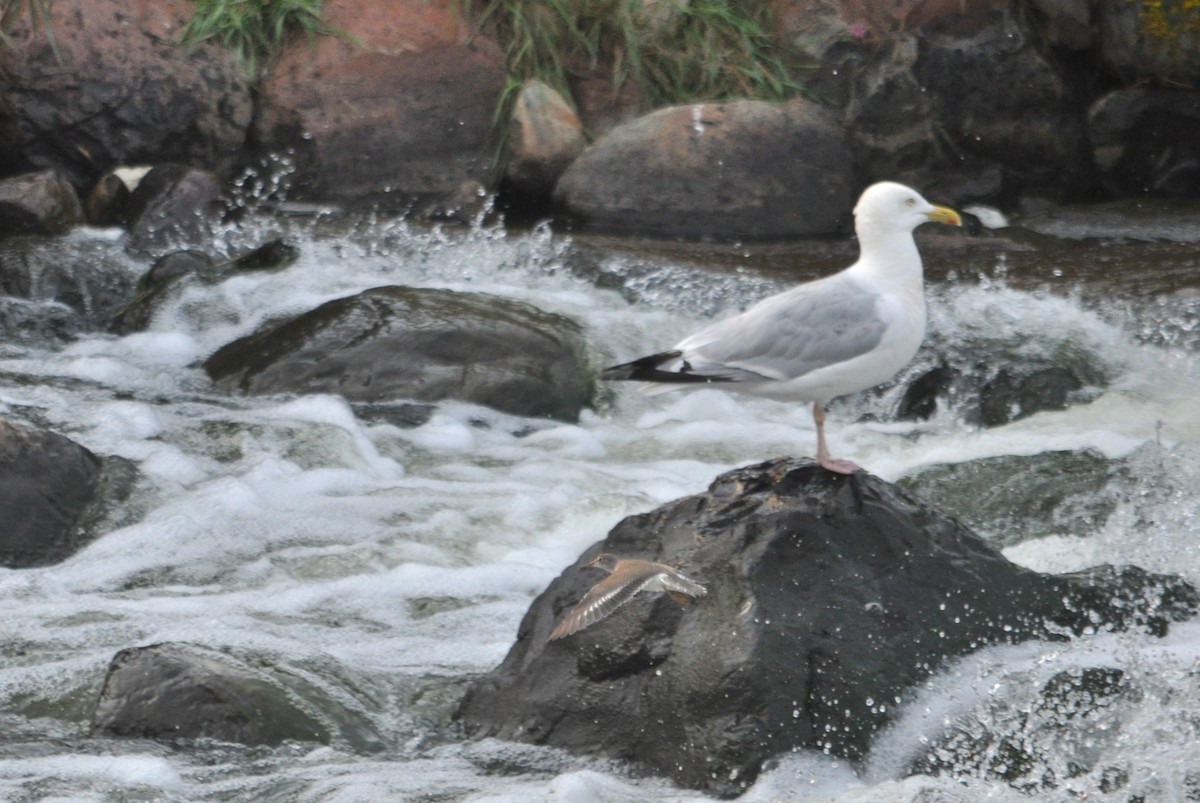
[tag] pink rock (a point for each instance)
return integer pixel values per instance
(398, 111)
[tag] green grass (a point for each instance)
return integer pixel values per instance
(674, 51)
(255, 30)
(39, 17)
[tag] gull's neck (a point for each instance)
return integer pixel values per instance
(888, 253)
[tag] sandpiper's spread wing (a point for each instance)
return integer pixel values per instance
(630, 577)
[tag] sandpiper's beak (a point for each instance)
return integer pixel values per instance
(944, 214)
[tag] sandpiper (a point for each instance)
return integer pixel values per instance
(627, 576)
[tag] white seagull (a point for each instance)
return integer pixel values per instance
(627, 576)
(826, 338)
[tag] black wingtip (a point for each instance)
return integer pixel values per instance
(643, 370)
(647, 370)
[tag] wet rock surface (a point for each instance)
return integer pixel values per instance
(53, 494)
(829, 598)
(38, 203)
(184, 691)
(1014, 498)
(395, 343)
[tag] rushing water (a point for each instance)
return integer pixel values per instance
(397, 562)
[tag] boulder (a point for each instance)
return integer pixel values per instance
(183, 691)
(106, 83)
(173, 207)
(394, 343)
(1144, 142)
(396, 110)
(544, 137)
(830, 598)
(38, 203)
(53, 494)
(738, 170)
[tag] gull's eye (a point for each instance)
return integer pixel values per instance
(910, 201)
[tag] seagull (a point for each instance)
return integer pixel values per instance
(627, 576)
(823, 339)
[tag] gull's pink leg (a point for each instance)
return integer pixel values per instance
(824, 460)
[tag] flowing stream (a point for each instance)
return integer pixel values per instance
(395, 561)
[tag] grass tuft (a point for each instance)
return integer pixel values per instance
(255, 30)
(674, 51)
(39, 18)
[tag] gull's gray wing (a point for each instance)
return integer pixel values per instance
(790, 334)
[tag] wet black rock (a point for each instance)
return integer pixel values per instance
(829, 599)
(54, 495)
(1008, 396)
(394, 343)
(184, 691)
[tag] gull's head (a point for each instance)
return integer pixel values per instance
(605, 560)
(895, 207)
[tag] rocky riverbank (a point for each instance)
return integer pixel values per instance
(1015, 103)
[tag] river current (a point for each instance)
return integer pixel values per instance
(397, 560)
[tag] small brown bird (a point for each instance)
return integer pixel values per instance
(627, 576)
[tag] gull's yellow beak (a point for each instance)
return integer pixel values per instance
(944, 214)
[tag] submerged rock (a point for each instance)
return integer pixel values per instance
(829, 598)
(88, 277)
(184, 691)
(53, 493)
(394, 343)
(172, 272)
(1015, 498)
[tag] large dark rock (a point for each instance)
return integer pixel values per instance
(53, 494)
(829, 598)
(737, 170)
(106, 84)
(183, 691)
(426, 345)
